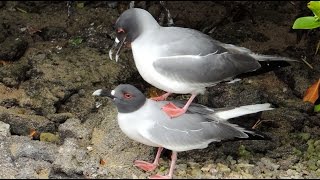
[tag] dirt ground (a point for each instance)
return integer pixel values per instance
(54, 55)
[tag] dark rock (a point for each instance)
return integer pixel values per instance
(155, 10)
(51, 32)
(78, 104)
(32, 169)
(31, 6)
(37, 150)
(288, 120)
(2, 4)
(60, 117)
(3, 30)
(202, 16)
(260, 146)
(75, 161)
(13, 48)
(73, 128)
(239, 33)
(12, 74)
(24, 124)
(315, 120)
(97, 37)
(8, 103)
(10, 82)
(8, 168)
(224, 95)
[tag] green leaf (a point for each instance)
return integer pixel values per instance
(317, 108)
(76, 41)
(314, 6)
(308, 22)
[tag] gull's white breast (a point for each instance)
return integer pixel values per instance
(134, 123)
(145, 53)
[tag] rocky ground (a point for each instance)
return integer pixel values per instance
(53, 56)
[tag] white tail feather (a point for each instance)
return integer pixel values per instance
(243, 110)
(261, 57)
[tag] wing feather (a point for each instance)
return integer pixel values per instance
(208, 69)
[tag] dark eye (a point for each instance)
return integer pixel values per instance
(127, 96)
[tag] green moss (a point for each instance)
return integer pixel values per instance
(318, 172)
(49, 137)
(317, 143)
(297, 152)
(312, 165)
(243, 152)
(304, 136)
(313, 151)
(162, 169)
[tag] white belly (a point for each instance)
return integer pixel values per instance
(132, 123)
(144, 58)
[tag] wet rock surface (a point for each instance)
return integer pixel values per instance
(53, 56)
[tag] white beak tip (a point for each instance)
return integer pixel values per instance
(117, 58)
(116, 40)
(97, 92)
(110, 54)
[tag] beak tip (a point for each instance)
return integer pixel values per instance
(116, 40)
(110, 54)
(97, 92)
(117, 58)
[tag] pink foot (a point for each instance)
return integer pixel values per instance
(157, 176)
(161, 98)
(172, 110)
(145, 165)
(170, 105)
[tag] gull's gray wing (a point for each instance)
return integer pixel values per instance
(175, 41)
(191, 56)
(190, 131)
(208, 69)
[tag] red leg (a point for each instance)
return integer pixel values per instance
(174, 111)
(149, 166)
(172, 166)
(161, 98)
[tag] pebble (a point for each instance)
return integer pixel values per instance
(4, 129)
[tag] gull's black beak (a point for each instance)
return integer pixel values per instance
(103, 93)
(117, 45)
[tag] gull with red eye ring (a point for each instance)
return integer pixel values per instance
(142, 120)
(182, 60)
(127, 95)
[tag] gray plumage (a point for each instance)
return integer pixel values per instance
(198, 127)
(182, 60)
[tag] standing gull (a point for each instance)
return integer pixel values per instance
(142, 120)
(180, 60)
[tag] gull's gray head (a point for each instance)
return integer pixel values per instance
(132, 23)
(126, 97)
(129, 26)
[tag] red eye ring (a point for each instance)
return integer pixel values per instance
(120, 30)
(127, 95)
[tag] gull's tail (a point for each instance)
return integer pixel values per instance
(243, 110)
(261, 57)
